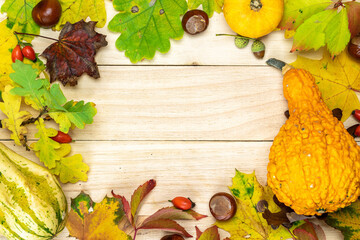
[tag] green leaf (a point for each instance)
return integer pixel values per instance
(70, 169)
(297, 11)
(75, 10)
(209, 6)
(19, 17)
(347, 220)
(45, 147)
(146, 26)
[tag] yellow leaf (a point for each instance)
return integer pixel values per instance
(88, 220)
(11, 108)
(248, 223)
(338, 80)
(7, 43)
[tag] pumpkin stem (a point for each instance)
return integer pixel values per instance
(284, 67)
(255, 5)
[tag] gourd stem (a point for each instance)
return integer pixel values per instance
(284, 67)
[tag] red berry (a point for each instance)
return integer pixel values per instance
(29, 53)
(182, 203)
(357, 131)
(62, 138)
(17, 54)
(356, 114)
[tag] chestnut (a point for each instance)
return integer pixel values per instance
(195, 21)
(47, 13)
(172, 237)
(222, 206)
(354, 47)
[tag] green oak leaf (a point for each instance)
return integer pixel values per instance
(297, 11)
(209, 6)
(45, 147)
(19, 17)
(327, 27)
(146, 26)
(39, 94)
(347, 220)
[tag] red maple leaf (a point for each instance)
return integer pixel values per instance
(74, 53)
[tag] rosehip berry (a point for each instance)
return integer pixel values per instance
(17, 54)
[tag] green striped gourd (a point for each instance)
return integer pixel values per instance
(32, 203)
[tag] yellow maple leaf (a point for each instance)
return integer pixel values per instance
(338, 80)
(11, 108)
(88, 220)
(7, 42)
(248, 223)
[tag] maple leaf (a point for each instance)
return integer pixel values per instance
(11, 108)
(19, 17)
(74, 53)
(347, 220)
(45, 148)
(40, 95)
(209, 234)
(248, 222)
(209, 6)
(76, 10)
(70, 169)
(89, 220)
(318, 23)
(146, 26)
(337, 79)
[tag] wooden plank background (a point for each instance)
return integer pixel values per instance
(187, 118)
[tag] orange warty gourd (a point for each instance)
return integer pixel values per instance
(253, 18)
(314, 162)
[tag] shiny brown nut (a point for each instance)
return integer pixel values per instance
(222, 206)
(47, 13)
(172, 237)
(354, 47)
(195, 21)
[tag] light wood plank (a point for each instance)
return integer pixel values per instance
(194, 169)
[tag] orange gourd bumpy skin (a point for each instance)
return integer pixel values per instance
(314, 162)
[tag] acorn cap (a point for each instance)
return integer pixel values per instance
(241, 42)
(258, 49)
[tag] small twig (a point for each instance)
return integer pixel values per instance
(36, 35)
(32, 120)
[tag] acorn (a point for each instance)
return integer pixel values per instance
(241, 42)
(258, 49)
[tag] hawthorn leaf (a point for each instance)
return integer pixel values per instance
(353, 9)
(147, 26)
(139, 194)
(173, 214)
(209, 6)
(74, 53)
(166, 225)
(90, 220)
(70, 169)
(19, 17)
(347, 220)
(76, 10)
(11, 108)
(45, 148)
(337, 80)
(247, 220)
(297, 11)
(211, 233)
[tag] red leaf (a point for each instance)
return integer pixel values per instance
(126, 207)
(309, 231)
(211, 233)
(303, 234)
(139, 194)
(74, 53)
(166, 225)
(353, 9)
(173, 214)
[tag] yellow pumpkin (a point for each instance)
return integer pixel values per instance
(253, 18)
